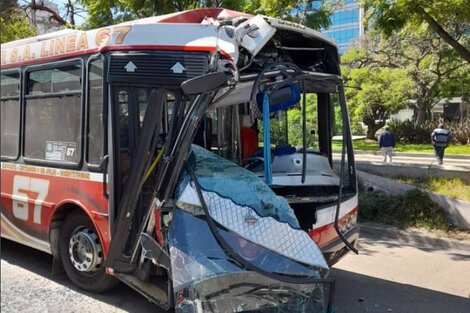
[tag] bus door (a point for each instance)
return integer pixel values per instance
(135, 132)
(130, 105)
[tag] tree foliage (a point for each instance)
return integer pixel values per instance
(449, 19)
(13, 21)
(375, 93)
(105, 13)
(288, 130)
(102, 13)
(433, 67)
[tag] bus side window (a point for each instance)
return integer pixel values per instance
(10, 115)
(53, 119)
(95, 112)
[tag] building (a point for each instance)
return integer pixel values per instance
(447, 109)
(347, 24)
(42, 21)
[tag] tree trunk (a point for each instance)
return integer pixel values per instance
(372, 128)
(460, 49)
(422, 114)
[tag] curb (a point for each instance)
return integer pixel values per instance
(457, 211)
(414, 170)
(408, 154)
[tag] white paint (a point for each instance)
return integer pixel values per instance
(22, 188)
(130, 67)
(178, 68)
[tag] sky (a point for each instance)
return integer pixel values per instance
(61, 4)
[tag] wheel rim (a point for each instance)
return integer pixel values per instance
(85, 250)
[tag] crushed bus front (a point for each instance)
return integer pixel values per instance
(236, 247)
(191, 229)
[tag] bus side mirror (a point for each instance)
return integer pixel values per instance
(204, 83)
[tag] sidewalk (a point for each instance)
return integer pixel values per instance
(412, 165)
(451, 162)
(416, 155)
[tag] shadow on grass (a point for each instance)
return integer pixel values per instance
(356, 293)
(122, 296)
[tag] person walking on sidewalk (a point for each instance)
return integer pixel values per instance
(440, 140)
(387, 143)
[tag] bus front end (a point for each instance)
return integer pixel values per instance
(207, 220)
(237, 247)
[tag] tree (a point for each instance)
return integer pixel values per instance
(428, 62)
(376, 92)
(66, 16)
(102, 13)
(14, 23)
(449, 19)
(312, 13)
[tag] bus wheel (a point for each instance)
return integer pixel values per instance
(82, 254)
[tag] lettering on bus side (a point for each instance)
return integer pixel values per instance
(25, 190)
(66, 44)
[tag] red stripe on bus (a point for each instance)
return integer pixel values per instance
(327, 233)
(117, 48)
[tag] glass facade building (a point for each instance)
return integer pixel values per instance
(346, 24)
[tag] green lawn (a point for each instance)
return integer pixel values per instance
(414, 209)
(452, 187)
(371, 145)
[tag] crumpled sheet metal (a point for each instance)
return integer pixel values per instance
(242, 186)
(194, 252)
(264, 231)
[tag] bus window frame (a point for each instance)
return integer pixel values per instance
(90, 166)
(20, 119)
(44, 66)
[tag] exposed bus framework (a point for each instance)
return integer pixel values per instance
(98, 166)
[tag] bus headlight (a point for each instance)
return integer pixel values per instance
(348, 222)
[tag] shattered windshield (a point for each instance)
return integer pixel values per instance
(226, 178)
(258, 226)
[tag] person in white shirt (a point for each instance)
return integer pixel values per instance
(440, 140)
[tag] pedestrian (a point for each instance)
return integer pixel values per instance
(387, 143)
(440, 140)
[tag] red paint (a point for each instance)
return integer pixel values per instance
(327, 233)
(86, 194)
(105, 49)
(158, 230)
(199, 15)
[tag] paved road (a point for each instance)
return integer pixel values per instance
(404, 272)
(396, 271)
(28, 287)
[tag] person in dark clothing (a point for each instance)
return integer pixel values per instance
(440, 140)
(387, 143)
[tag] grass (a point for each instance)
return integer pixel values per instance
(412, 210)
(372, 145)
(452, 187)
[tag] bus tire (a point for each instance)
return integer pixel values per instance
(82, 254)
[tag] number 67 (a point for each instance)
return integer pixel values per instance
(25, 188)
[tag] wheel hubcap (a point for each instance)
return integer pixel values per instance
(85, 250)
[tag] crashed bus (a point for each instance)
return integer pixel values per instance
(144, 152)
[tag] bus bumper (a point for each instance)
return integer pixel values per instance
(336, 249)
(252, 292)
